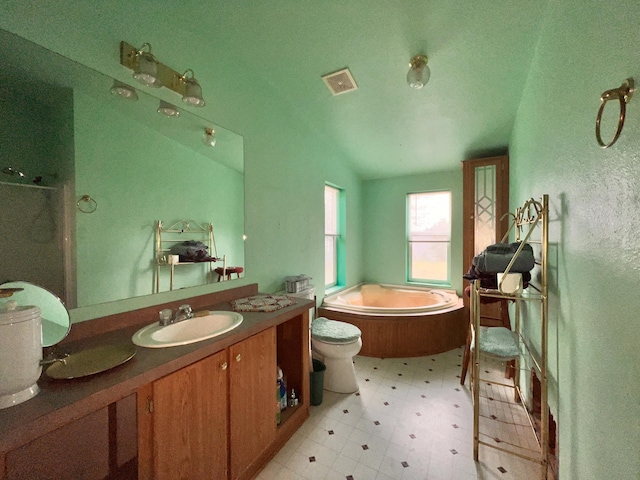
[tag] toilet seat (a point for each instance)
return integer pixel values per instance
(334, 332)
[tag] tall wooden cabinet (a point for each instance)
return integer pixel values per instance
(485, 183)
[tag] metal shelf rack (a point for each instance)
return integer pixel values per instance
(500, 411)
(168, 236)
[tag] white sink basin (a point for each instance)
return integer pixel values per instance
(193, 330)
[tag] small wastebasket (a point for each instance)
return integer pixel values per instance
(316, 380)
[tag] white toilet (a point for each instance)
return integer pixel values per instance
(336, 343)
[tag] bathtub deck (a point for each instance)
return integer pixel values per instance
(406, 336)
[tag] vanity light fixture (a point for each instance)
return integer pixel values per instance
(167, 109)
(12, 171)
(192, 90)
(419, 72)
(146, 68)
(149, 71)
(123, 90)
(209, 137)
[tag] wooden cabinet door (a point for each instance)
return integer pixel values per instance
(252, 393)
(485, 201)
(190, 422)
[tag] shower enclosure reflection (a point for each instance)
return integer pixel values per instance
(69, 136)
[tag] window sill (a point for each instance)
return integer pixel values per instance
(334, 289)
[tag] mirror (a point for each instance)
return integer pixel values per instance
(88, 175)
(55, 317)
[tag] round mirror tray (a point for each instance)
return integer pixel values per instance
(91, 361)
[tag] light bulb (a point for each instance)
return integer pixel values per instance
(146, 71)
(419, 72)
(167, 109)
(209, 137)
(193, 93)
(123, 90)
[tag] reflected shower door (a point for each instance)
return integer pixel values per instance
(32, 240)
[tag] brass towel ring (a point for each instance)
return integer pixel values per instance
(623, 94)
(89, 205)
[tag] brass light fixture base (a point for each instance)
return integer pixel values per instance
(418, 60)
(170, 78)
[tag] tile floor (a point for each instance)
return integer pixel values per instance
(411, 419)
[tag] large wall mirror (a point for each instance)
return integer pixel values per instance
(85, 176)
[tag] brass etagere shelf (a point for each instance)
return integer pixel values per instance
(168, 236)
(499, 417)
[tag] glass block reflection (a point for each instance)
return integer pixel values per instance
(485, 208)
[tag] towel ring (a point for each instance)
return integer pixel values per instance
(623, 94)
(89, 205)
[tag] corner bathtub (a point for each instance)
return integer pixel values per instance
(399, 321)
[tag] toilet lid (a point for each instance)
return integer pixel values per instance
(333, 331)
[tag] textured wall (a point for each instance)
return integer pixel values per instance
(587, 47)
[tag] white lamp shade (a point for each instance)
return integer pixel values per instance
(146, 71)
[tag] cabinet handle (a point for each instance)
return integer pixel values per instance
(224, 366)
(238, 357)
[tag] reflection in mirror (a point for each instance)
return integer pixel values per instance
(55, 317)
(67, 136)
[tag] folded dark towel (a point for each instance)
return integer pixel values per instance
(490, 280)
(192, 251)
(495, 258)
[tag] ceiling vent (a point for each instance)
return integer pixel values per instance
(340, 82)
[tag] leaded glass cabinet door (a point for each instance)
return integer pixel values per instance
(486, 200)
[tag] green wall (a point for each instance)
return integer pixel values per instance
(286, 162)
(585, 48)
(286, 169)
(385, 239)
(137, 177)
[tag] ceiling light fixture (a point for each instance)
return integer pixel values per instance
(419, 72)
(167, 109)
(152, 73)
(123, 90)
(209, 137)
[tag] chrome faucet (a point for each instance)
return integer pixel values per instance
(184, 312)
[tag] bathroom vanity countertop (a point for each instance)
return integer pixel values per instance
(62, 401)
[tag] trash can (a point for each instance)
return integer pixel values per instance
(316, 380)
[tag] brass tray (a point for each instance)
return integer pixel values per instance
(91, 361)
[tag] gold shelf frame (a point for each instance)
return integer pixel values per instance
(531, 217)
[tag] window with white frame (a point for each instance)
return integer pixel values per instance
(429, 237)
(332, 236)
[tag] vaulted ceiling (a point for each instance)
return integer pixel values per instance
(479, 54)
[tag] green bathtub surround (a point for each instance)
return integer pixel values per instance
(385, 206)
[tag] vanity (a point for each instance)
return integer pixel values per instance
(207, 410)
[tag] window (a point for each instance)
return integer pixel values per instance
(429, 232)
(333, 242)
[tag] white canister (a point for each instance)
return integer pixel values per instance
(510, 283)
(20, 353)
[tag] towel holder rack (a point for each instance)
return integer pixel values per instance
(88, 205)
(623, 94)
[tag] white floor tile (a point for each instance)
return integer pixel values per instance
(410, 420)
